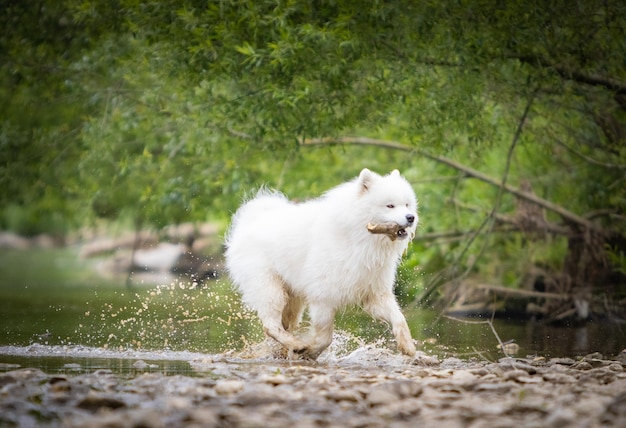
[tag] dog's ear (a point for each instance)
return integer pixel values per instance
(395, 173)
(366, 177)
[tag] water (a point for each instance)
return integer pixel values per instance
(57, 314)
(74, 360)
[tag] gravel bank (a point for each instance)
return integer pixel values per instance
(369, 388)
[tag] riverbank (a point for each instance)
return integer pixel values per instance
(371, 387)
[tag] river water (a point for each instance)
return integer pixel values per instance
(57, 314)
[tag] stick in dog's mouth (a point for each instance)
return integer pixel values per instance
(401, 234)
(392, 230)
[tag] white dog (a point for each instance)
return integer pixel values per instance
(283, 256)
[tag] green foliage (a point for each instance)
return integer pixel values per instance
(172, 111)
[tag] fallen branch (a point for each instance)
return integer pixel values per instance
(516, 292)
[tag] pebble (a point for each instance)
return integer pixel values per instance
(512, 392)
(515, 374)
(380, 396)
(273, 379)
(463, 378)
(425, 360)
(344, 395)
(563, 361)
(561, 418)
(229, 387)
(94, 402)
(582, 365)
(558, 378)
(516, 364)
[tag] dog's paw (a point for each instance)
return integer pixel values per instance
(407, 348)
(306, 353)
(300, 353)
(300, 350)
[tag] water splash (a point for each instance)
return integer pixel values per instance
(177, 316)
(184, 317)
(346, 349)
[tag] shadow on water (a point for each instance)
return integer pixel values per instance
(51, 299)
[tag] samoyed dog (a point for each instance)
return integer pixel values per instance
(284, 257)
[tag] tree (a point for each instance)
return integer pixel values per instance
(180, 106)
(41, 114)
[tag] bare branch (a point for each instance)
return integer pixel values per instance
(453, 236)
(564, 213)
(576, 76)
(585, 157)
(443, 235)
(239, 134)
(554, 228)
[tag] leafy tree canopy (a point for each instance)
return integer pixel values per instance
(172, 110)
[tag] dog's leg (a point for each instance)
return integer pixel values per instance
(386, 308)
(270, 306)
(292, 314)
(321, 333)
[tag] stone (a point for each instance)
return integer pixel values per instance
(561, 417)
(514, 364)
(95, 402)
(344, 395)
(278, 379)
(6, 379)
(515, 374)
(562, 361)
(558, 378)
(380, 396)
(229, 387)
(425, 361)
(371, 393)
(582, 365)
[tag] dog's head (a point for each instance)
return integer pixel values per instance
(389, 199)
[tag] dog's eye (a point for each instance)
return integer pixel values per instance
(391, 206)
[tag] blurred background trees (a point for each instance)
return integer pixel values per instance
(164, 112)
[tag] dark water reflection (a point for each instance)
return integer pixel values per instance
(532, 337)
(596, 336)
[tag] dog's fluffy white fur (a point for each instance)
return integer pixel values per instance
(284, 256)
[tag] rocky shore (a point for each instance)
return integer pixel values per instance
(369, 388)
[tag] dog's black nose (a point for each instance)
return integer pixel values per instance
(410, 218)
